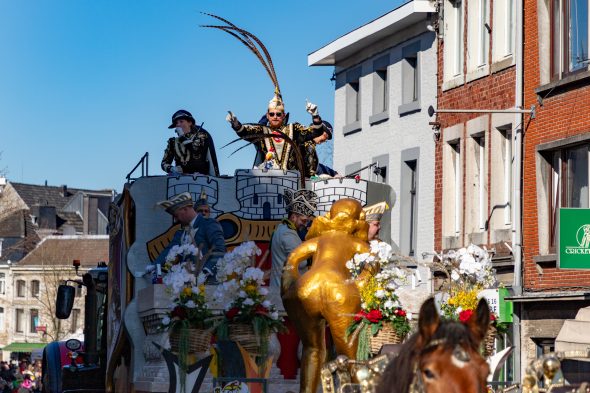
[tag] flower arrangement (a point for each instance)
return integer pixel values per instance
(189, 308)
(241, 289)
(469, 271)
(378, 276)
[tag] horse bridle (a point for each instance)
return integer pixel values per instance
(417, 385)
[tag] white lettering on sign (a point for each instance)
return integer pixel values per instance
(492, 296)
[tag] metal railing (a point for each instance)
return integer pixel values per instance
(144, 163)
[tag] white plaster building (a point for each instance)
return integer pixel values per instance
(385, 80)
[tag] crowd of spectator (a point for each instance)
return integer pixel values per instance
(23, 377)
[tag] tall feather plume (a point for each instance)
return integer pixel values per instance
(252, 43)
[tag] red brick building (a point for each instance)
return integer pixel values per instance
(474, 198)
(555, 167)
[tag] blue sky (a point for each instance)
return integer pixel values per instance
(87, 87)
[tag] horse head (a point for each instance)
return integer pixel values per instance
(443, 356)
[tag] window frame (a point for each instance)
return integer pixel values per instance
(21, 292)
(35, 288)
(19, 322)
(33, 313)
(557, 186)
(559, 38)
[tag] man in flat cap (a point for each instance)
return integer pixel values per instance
(196, 229)
(373, 215)
(192, 150)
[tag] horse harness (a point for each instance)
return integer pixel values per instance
(459, 355)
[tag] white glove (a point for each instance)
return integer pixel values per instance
(176, 169)
(312, 109)
(233, 120)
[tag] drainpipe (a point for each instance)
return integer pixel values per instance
(517, 187)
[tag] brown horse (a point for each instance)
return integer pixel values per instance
(443, 356)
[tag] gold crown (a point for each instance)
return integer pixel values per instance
(276, 104)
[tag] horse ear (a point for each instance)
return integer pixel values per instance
(480, 322)
(428, 321)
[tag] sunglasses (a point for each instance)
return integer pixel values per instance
(275, 114)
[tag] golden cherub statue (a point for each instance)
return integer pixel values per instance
(325, 293)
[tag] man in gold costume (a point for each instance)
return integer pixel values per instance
(325, 293)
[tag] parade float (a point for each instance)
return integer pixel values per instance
(133, 345)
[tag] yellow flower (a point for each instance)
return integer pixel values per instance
(202, 289)
(187, 291)
(251, 289)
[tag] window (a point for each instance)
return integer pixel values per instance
(569, 36)
(19, 320)
(35, 288)
(379, 169)
(568, 183)
(380, 90)
(507, 166)
(409, 206)
(457, 179)
(410, 78)
(478, 38)
(480, 162)
(452, 189)
(2, 283)
(20, 288)
(75, 320)
(2, 318)
(353, 100)
(453, 33)
(503, 31)
(34, 320)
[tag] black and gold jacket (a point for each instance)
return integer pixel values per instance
(193, 152)
(301, 135)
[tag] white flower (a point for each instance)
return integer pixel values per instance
(389, 304)
(409, 315)
(263, 291)
(455, 276)
(249, 302)
(254, 273)
(242, 294)
(195, 290)
(380, 294)
(201, 278)
(350, 265)
(384, 251)
(191, 304)
(274, 315)
(166, 321)
(266, 304)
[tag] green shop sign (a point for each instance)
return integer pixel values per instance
(497, 303)
(574, 239)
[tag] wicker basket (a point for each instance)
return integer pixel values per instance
(387, 335)
(243, 334)
(489, 342)
(199, 340)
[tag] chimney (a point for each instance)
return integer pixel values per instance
(65, 191)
